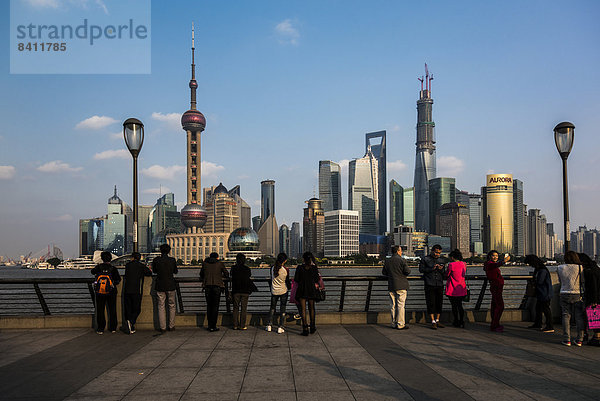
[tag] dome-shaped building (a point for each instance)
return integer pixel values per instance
(243, 240)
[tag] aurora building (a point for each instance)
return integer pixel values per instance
(497, 212)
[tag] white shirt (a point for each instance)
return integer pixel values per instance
(569, 275)
(278, 283)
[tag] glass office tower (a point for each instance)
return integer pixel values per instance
(379, 152)
(363, 183)
(396, 205)
(330, 185)
(442, 190)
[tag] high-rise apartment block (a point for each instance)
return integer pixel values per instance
(396, 204)
(221, 211)
(330, 185)
(475, 223)
(425, 161)
(442, 190)
(498, 217)
(314, 228)
(363, 192)
(378, 149)
(267, 200)
(518, 219)
(295, 241)
(453, 221)
(537, 234)
(340, 233)
(284, 239)
(409, 207)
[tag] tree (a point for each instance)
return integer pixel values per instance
(194, 262)
(179, 262)
(54, 262)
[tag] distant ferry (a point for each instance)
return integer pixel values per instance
(77, 264)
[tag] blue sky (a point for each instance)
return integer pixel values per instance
(286, 84)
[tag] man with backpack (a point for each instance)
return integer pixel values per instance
(105, 287)
(132, 289)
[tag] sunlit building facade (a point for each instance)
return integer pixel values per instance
(498, 217)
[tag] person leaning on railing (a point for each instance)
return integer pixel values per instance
(396, 270)
(211, 274)
(165, 267)
(543, 293)
(432, 267)
(241, 288)
(456, 286)
(109, 299)
(571, 303)
(307, 277)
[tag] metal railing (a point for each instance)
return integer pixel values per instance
(64, 296)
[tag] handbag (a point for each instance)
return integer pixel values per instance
(467, 298)
(593, 317)
(321, 294)
(530, 288)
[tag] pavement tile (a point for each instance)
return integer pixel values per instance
(203, 340)
(269, 379)
(316, 355)
(353, 356)
(274, 396)
(165, 381)
(319, 376)
(228, 357)
(382, 395)
(368, 377)
(145, 359)
(114, 382)
(325, 395)
(218, 380)
(189, 396)
(269, 357)
(186, 358)
(271, 340)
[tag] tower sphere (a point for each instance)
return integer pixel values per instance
(193, 120)
(193, 215)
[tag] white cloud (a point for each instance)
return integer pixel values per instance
(7, 172)
(112, 154)
(57, 166)
(64, 217)
(173, 120)
(449, 166)
(102, 6)
(164, 173)
(116, 136)
(43, 3)
(490, 171)
(210, 169)
(396, 166)
(287, 33)
(95, 122)
(157, 190)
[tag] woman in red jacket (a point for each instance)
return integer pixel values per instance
(492, 271)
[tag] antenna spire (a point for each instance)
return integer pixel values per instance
(193, 83)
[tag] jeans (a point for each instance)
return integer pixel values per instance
(497, 305)
(106, 302)
(168, 296)
(133, 306)
(240, 300)
(572, 305)
(398, 299)
(282, 305)
(434, 297)
(457, 309)
(212, 294)
(543, 307)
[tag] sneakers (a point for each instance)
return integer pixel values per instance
(313, 329)
(548, 330)
(244, 328)
(280, 330)
(578, 343)
(403, 327)
(566, 343)
(130, 327)
(99, 332)
(297, 316)
(268, 328)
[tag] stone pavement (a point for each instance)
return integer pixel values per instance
(351, 362)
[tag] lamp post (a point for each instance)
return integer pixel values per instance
(564, 134)
(133, 132)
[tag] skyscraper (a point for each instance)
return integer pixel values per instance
(518, 220)
(497, 214)
(475, 223)
(115, 229)
(340, 233)
(442, 190)
(193, 216)
(284, 239)
(363, 191)
(425, 163)
(330, 185)
(453, 221)
(295, 241)
(537, 233)
(267, 199)
(314, 227)
(380, 153)
(409, 207)
(396, 205)
(222, 211)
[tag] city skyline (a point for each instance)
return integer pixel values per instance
(257, 69)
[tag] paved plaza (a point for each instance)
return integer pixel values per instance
(351, 362)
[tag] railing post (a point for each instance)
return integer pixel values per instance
(368, 301)
(41, 299)
(179, 298)
(92, 293)
(481, 294)
(227, 298)
(342, 295)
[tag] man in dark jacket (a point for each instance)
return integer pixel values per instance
(433, 275)
(211, 275)
(107, 279)
(132, 289)
(165, 267)
(397, 271)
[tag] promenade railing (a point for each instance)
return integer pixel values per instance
(66, 296)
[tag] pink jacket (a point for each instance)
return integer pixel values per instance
(456, 285)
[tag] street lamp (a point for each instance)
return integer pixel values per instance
(133, 132)
(564, 133)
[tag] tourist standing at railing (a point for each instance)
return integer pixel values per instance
(165, 267)
(241, 288)
(211, 274)
(543, 293)
(107, 279)
(396, 270)
(432, 267)
(570, 274)
(456, 287)
(133, 288)
(591, 291)
(494, 276)
(307, 277)
(280, 285)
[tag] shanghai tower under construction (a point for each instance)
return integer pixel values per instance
(425, 168)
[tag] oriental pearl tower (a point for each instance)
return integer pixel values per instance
(193, 215)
